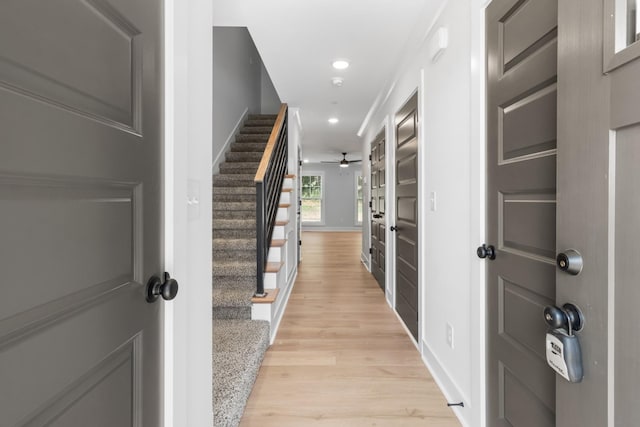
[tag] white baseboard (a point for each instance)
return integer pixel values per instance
(450, 390)
(365, 260)
(220, 157)
(275, 324)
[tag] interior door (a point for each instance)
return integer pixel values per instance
(521, 37)
(378, 227)
(599, 205)
(406, 221)
(80, 212)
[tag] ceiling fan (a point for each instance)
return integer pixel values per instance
(344, 163)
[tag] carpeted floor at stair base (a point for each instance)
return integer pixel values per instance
(239, 343)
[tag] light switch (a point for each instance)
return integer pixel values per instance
(432, 199)
(193, 199)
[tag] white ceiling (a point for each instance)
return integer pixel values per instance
(299, 39)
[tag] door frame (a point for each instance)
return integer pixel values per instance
(187, 329)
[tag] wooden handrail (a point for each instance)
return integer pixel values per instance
(268, 182)
(273, 139)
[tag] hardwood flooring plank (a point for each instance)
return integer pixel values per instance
(341, 357)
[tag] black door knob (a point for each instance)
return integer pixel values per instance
(485, 251)
(377, 215)
(167, 289)
(393, 228)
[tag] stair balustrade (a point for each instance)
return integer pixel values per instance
(268, 180)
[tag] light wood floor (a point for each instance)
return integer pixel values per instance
(341, 357)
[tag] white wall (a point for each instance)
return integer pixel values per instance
(187, 320)
(339, 196)
(450, 100)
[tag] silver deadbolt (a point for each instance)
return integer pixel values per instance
(570, 261)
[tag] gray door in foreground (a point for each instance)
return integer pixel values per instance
(378, 229)
(599, 205)
(80, 212)
(521, 208)
(406, 221)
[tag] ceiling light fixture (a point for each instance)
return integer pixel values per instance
(337, 81)
(305, 161)
(340, 64)
(333, 120)
(344, 163)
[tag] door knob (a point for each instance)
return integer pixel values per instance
(167, 289)
(570, 261)
(377, 216)
(485, 251)
(393, 228)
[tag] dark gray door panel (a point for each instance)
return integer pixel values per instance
(521, 208)
(406, 221)
(80, 212)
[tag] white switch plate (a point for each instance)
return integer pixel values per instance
(432, 199)
(450, 335)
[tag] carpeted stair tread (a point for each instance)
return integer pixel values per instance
(234, 180)
(252, 138)
(234, 282)
(238, 297)
(248, 146)
(234, 244)
(240, 214)
(235, 206)
(233, 156)
(234, 268)
(235, 190)
(262, 122)
(234, 224)
(262, 117)
(233, 197)
(238, 350)
(234, 233)
(262, 130)
(231, 255)
(239, 168)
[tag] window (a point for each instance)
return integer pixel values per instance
(359, 205)
(312, 195)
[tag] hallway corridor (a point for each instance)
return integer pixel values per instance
(341, 356)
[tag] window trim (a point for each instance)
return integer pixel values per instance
(322, 198)
(358, 175)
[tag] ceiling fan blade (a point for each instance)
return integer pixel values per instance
(355, 161)
(329, 162)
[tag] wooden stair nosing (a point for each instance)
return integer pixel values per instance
(282, 222)
(284, 205)
(287, 190)
(273, 267)
(278, 243)
(269, 298)
(290, 176)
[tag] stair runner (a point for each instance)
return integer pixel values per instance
(239, 343)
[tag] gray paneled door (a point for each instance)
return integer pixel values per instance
(406, 221)
(378, 228)
(80, 212)
(521, 208)
(599, 205)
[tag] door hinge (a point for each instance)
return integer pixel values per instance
(299, 242)
(370, 250)
(370, 204)
(369, 157)
(300, 162)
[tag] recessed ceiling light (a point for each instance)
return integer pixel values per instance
(337, 81)
(340, 64)
(333, 120)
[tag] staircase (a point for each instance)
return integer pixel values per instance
(239, 343)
